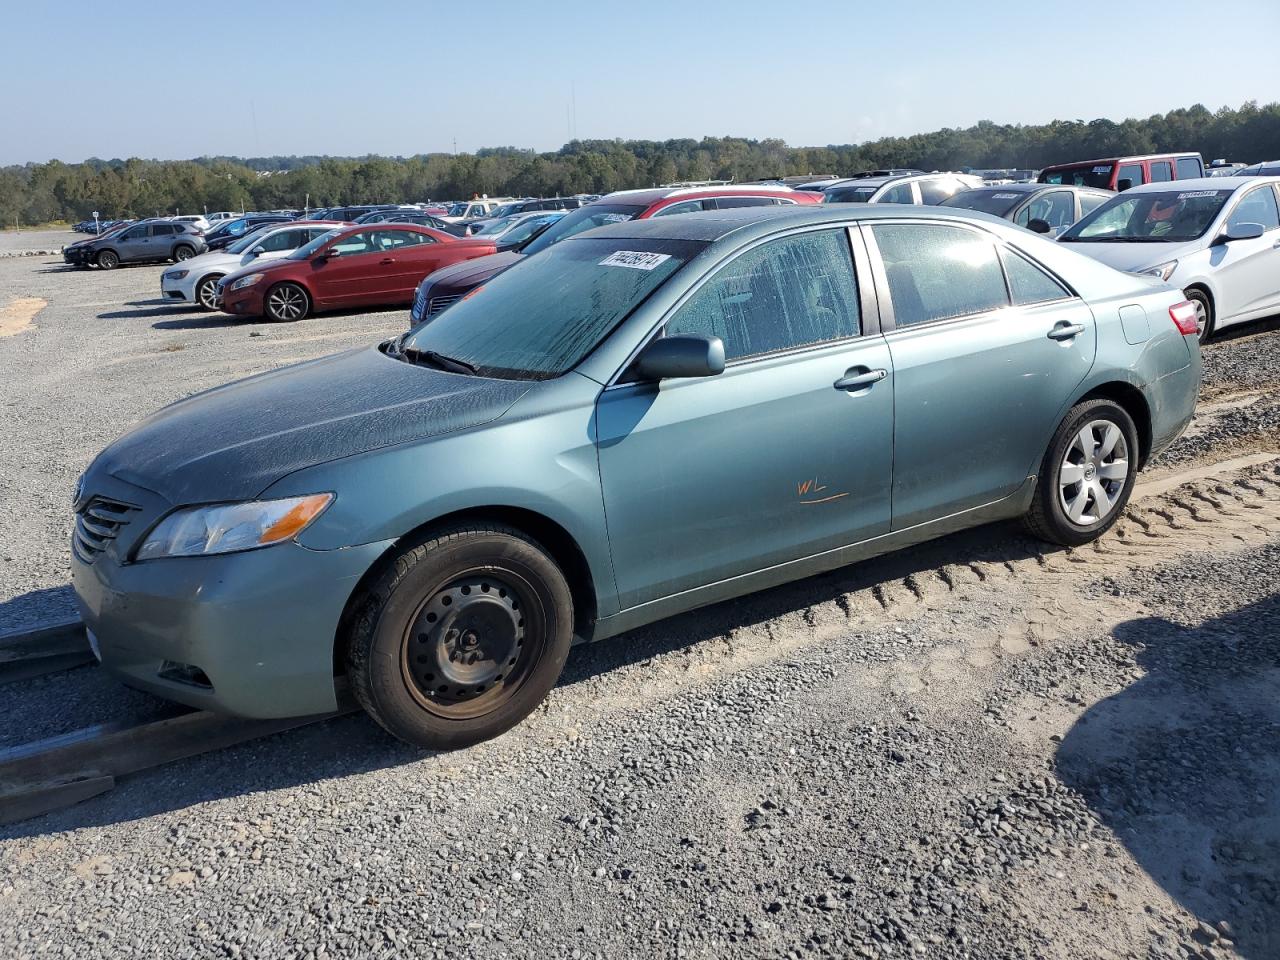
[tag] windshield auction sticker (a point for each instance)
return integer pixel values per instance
(635, 259)
(1005, 196)
(1196, 194)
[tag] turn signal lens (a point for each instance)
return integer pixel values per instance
(1183, 316)
(296, 520)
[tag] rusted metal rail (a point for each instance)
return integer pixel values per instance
(47, 775)
(33, 653)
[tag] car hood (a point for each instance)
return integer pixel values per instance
(468, 273)
(232, 442)
(1135, 256)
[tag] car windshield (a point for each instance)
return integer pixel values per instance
(458, 210)
(506, 210)
(848, 194)
(584, 218)
(308, 250)
(249, 239)
(540, 318)
(495, 226)
(998, 203)
(1084, 175)
(1169, 216)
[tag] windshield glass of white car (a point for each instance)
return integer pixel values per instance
(1173, 216)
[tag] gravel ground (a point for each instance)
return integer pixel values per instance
(21, 242)
(976, 748)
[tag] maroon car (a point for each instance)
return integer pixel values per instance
(370, 265)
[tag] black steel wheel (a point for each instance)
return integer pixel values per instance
(461, 637)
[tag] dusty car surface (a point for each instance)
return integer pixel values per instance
(643, 419)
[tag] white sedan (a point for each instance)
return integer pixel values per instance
(1218, 238)
(196, 280)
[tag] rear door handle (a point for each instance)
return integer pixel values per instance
(1065, 331)
(857, 377)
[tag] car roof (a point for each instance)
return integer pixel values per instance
(1123, 159)
(1035, 188)
(649, 196)
(1202, 183)
(711, 226)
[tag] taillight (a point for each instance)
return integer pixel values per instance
(1183, 316)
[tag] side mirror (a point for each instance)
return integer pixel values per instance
(1241, 231)
(330, 254)
(256, 251)
(680, 357)
(1122, 185)
(1039, 226)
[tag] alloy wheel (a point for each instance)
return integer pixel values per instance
(207, 293)
(1093, 474)
(183, 253)
(286, 303)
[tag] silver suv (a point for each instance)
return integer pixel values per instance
(150, 240)
(917, 188)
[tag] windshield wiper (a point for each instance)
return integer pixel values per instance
(452, 364)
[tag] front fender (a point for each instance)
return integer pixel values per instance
(540, 457)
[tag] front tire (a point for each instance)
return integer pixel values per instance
(108, 260)
(461, 638)
(286, 303)
(1087, 475)
(207, 292)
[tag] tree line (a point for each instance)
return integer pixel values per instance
(38, 193)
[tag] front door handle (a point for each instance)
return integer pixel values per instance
(1065, 331)
(387, 260)
(855, 378)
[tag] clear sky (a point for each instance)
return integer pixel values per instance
(178, 80)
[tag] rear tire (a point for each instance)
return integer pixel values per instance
(107, 260)
(1204, 312)
(286, 303)
(183, 252)
(206, 291)
(461, 638)
(1087, 475)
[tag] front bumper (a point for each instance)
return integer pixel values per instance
(250, 634)
(180, 291)
(243, 303)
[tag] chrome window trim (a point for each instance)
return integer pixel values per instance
(855, 263)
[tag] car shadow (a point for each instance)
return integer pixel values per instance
(1184, 766)
(37, 608)
(354, 744)
(1252, 329)
(200, 321)
(143, 313)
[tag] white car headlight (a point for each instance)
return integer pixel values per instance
(176, 274)
(248, 281)
(1164, 271)
(228, 527)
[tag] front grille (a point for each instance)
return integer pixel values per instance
(437, 304)
(97, 525)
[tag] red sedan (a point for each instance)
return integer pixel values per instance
(373, 265)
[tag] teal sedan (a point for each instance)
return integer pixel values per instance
(644, 419)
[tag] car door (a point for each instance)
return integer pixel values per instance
(407, 257)
(282, 243)
(983, 365)
(132, 243)
(345, 273)
(1055, 207)
(786, 454)
(1248, 271)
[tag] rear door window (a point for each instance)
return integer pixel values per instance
(787, 293)
(1029, 284)
(1161, 171)
(1189, 168)
(728, 203)
(939, 189)
(1090, 202)
(687, 206)
(937, 272)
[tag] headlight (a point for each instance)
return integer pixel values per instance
(176, 274)
(1164, 271)
(248, 281)
(228, 527)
